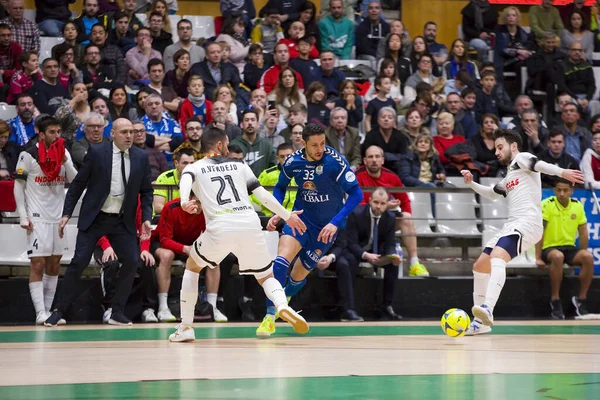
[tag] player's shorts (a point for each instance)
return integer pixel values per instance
(45, 242)
(312, 250)
(250, 248)
(568, 251)
(515, 238)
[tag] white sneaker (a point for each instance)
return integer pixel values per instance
(477, 328)
(484, 314)
(183, 334)
(299, 324)
(41, 317)
(219, 316)
(166, 316)
(149, 316)
(106, 316)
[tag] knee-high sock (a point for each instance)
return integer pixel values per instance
(496, 283)
(274, 292)
(480, 285)
(280, 269)
(293, 286)
(36, 289)
(188, 296)
(50, 282)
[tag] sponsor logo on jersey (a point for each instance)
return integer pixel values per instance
(311, 195)
(45, 180)
(20, 171)
(573, 216)
(511, 185)
(308, 185)
(350, 177)
(319, 169)
(314, 255)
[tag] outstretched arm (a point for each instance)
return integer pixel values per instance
(491, 193)
(271, 202)
(534, 164)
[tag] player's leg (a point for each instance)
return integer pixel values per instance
(213, 277)
(555, 259)
(50, 280)
(287, 249)
(481, 276)
(163, 278)
(36, 288)
(586, 260)
(409, 238)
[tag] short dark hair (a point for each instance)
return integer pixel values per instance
(156, 61)
(379, 80)
(284, 146)
(25, 56)
(305, 39)
(255, 47)
(21, 96)
(5, 26)
(211, 137)
(186, 151)
(192, 119)
(120, 14)
(554, 132)
(234, 148)
(61, 49)
(488, 73)
(184, 21)
(270, 11)
(510, 137)
(44, 122)
(312, 129)
(97, 24)
(250, 111)
(452, 94)
(429, 23)
(155, 14)
(178, 54)
(47, 60)
(142, 28)
(467, 91)
(90, 46)
(561, 180)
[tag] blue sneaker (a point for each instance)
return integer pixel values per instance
(484, 313)
(54, 319)
(477, 328)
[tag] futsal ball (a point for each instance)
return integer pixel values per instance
(455, 322)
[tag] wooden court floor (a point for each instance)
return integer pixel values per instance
(409, 360)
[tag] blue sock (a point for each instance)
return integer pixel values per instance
(280, 269)
(294, 287)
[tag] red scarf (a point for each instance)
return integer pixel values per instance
(51, 160)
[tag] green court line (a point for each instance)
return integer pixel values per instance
(244, 332)
(405, 387)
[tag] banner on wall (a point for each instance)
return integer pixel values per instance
(535, 2)
(593, 218)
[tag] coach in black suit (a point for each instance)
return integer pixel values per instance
(115, 174)
(371, 235)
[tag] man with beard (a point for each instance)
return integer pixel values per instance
(219, 114)
(48, 92)
(524, 228)
(439, 51)
(193, 132)
(464, 123)
(259, 154)
(22, 127)
(112, 57)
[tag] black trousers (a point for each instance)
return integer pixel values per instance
(126, 248)
(390, 275)
(346, 276)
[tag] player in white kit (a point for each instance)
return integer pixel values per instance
(232, 226)
(524, 228)
(40, 195)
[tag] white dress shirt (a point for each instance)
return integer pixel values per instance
(115, 199)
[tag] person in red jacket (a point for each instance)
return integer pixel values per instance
(196, 104)
(172, 239)
(372, 174)
(445, 137)
(294, 33)
(9, 55)
(282, 58)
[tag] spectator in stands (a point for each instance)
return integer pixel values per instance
(295, 32)
(156, 72)
(577, 31)
(522, 103)
(446, 138)
(306, 67)
(255, 67)
(193, 134)
(93, 127)
(387, 137)
(233, 35)
(317, 107)
(437, 50)
(595, 17)
(219, 120)
(160, 7)
(413, 125)
(22, 127)
(409, 65)
(388, 67)
(181, 159)
(556, 154)
(161, 39)
(372, 174)
(350, 101)
(578, 138)
(165, 132)
(564, 218)
(579, 76)
(122, 35)
(458, 60)
(109, 7)
(575, 6)
(595, 124)
(138, 57)
(195, 52)
(99, 105)
(287, 92)
(545, 18)
(465, 124)
(51, 16)
(281, 57)
(157, 160)
(68, 73)
(90, 16)
(383, 86)
(10, 52)
(119, 106)
(270, 177)
(112, 57)
(96, 75)
(308, 12)
(22, 30)
(370, 32)
(289, 11)
(422, 74)
(258, 152)
(329, 75)
(396, 27)
(73, 114)
(49, 93)
(513, 44)
(296, 136)
(562, 100)
(484, 144)
(533, 134)
(23, 79)
(70, 33)
(337, 32)
(590, 162)
(344, 138)
(129, 9)
(226, 95)
(235, 152)
(140, 100)
(479, 26)
(178, 78)
(298, 116)
(268, 32)
(9, 153)
(195, 105)
(492, 99)
(213, 72)
(421, 167)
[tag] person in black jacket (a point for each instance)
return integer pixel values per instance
(532, 132)
(423, 153)
(9, 153)
(479, 25)
(513, 44)
(484, 144)
(49, 94)
(370, 32)
(492, 98)
(556, 154)
(51, 16)
(289, 11)
(213, 61)
(90, 16)
(255, 67)
(96, 75)
(579, 76)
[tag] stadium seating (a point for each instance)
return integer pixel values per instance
(422, 213)
(203, 27)
(7, 111)
(493, 212)
(460, 207)
(46, 45)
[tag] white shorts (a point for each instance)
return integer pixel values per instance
(45, 242)
(250, 248)
(529, 234)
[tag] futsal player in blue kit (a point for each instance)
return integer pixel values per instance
(323, 177)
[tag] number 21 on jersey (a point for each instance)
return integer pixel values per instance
(223, 185)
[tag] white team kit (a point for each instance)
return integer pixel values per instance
(232, 226)
(44, 201)
(523, 191)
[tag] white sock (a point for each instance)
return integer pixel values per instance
(414, 260)
(49, 282)
(212, 299)
(496, 283)
(274, 292)
(480, 284)
(163, 301)
(36, 289)
(188, 296)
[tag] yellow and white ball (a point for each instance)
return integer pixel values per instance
(455, 322)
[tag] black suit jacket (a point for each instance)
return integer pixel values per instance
(359, 231)
(228, 75)
(95, 175)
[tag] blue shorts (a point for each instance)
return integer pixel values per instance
(312, 249)
(510, 243)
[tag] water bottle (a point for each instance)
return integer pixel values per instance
(400, 254)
